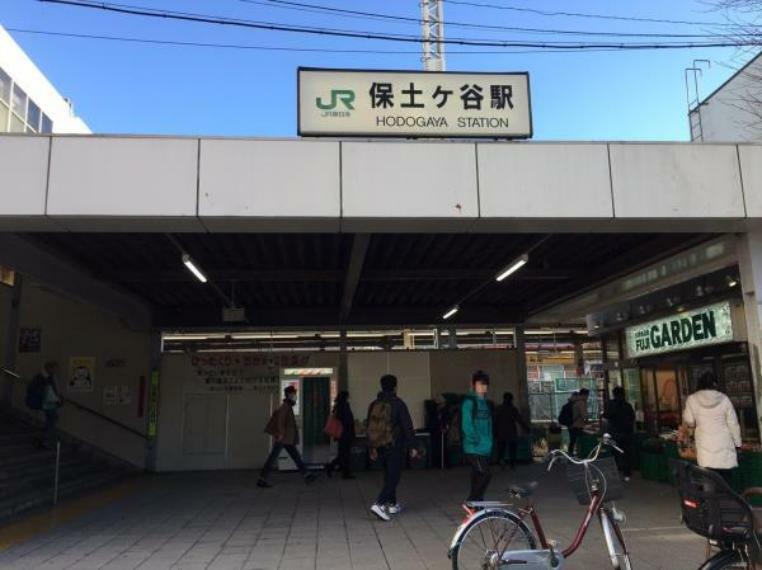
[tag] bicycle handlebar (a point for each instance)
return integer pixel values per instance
(606, 440)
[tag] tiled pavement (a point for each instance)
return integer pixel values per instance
(221, 521)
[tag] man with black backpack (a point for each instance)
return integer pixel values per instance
(42, 394)
(390, 435)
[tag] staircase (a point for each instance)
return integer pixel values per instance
(27, 471)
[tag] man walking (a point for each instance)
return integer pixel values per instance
(507, 422)
(476, 425)
(390, 436)
(282, 426)
(579, 418)
(621, 418)
(42, 394)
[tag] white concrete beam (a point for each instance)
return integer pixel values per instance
(106, 183)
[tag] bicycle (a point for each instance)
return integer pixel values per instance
(494, 536)
(711, 509)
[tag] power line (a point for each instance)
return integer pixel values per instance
(178, 43)
(554, 13)
(322, 9)
(270, 26)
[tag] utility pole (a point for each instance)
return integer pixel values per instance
(432, 30)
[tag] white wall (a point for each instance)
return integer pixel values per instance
(413, 375)
(70, 329)
(200, 429)
(727, 115)
(28, 76)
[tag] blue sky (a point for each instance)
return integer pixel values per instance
(138, 88)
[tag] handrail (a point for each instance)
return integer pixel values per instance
(112, 421)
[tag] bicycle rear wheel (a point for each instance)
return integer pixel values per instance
(487, 537)
(620, 558)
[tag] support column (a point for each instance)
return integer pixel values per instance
(10, 350)
(343, 378)
(452, 338)
(750, 266)
(522, 397)
(152, 401)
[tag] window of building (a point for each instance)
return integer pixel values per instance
(33, 116)
(7, 276)
(47, 125)
(5, 86)
(19, 102)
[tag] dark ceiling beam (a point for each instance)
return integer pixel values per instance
(209, 317)
(333, 275)
(354, 271)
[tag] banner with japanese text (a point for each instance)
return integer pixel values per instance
(413, 104)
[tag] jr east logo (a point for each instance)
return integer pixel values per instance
(340, 103)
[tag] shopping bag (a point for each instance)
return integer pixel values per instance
(333, 427)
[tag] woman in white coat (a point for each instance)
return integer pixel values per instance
(718, 435)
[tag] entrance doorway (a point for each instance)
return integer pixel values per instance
(316, 403)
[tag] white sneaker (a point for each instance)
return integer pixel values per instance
(394, 509)
(380, 512)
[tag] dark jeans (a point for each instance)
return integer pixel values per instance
(273, 457)
(624, 460)
(393, 460)
(480, 476)
(51, 421)
(574, 434)
(726, 474)
(512, 446)
(343, 459)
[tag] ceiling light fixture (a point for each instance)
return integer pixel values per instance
(731, 281)
(191, 265)
(513, 267)
(451, 312)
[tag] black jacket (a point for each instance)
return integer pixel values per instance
(343, 413)
(621, 416)
(506, 419)
(402, 423)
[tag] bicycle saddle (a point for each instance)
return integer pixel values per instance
(523, 491)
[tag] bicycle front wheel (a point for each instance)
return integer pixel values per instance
(620, 558)
(487, 538)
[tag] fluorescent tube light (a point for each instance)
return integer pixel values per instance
(189, 263)
(513, 267)
(451, 312)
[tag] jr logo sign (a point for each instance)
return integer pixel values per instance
(345, 96)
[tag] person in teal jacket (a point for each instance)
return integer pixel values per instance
(476, 426)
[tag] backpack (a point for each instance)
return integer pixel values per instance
(380, 428)
(566, 417)
(455, 433)
(35, 394)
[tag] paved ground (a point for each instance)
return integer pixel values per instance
(222, 521)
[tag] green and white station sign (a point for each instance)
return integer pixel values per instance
(709, 325)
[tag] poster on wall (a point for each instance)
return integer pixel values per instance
(30, 339)
(110, 395)
(124, 395)
(81, 374)
(239, 373)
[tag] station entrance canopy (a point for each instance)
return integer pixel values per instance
(325, 233)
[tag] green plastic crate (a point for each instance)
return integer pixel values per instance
(653, 466)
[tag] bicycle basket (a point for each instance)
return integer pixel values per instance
(710, 507)
(603, 468)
